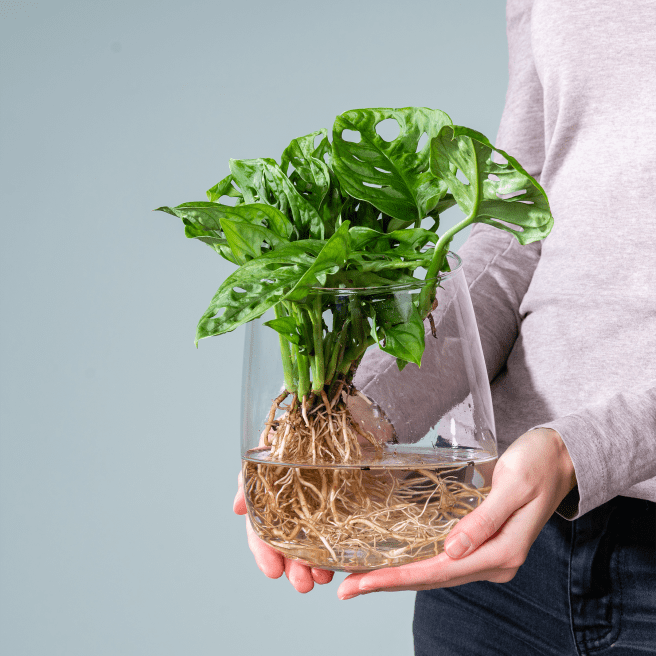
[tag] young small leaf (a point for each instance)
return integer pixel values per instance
(406, 340)
(287, 327)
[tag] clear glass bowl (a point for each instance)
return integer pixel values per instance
(380, 478)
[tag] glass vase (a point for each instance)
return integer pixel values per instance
(373, 468)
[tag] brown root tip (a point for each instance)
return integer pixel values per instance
(432, 325)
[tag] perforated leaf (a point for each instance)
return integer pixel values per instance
(244, 229)
(514, 197)
(262, 181)
(392, 176)
(257, 286)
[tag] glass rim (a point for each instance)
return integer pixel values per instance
(348, 291)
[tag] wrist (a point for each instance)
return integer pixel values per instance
(565, 464)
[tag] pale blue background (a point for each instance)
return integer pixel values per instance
(120, 444)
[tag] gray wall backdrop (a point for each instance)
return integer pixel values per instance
(120, 441)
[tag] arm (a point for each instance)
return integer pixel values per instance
(612, 445)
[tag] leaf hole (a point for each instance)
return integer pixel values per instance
(513, 194)
(494, 178)
(317, 141)
(512, 226)
(388, 129)
(239, 290)
(383, 171)
(498, 158)
(423, 140)
(370, 184)
(351, 135)
(462, 177)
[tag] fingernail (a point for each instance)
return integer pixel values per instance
(458, 546)
(344, 597)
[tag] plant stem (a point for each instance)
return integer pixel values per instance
(287, 366)
(354, 354)
(442, 247)
(337, 353)
(303, 371)
(437, 261)
(318, 373)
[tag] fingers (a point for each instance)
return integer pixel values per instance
(496, 560)
(239, 504)
(270, 561)
(300, 576)
(510, 492)
(492, 562)
(273, 564)
(322, 576)
(481, 524)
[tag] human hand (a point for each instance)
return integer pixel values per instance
(489, 544)
(271, 562)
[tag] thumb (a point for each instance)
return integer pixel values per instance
(482, 523)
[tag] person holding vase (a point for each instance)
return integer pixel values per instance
(561, 556)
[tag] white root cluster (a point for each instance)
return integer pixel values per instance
(311, 500)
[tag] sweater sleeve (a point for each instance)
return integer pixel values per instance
(613, 447)
(613, 443)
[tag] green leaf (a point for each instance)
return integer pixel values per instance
(515, 197)
(287, 327)
(405, 340)
(359, 279)
(392, 176)
(412, 240)
(359, 213)
(243, 229)
(330, 259)
(263, 181)
(245, 239)
(224, 188)
(211, 238)
(313, 178)
(257, 286)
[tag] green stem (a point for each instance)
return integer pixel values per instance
(442, 245)
(355, 354)
(303, 372)
(437, 261)
(318, 373)
(337, 353)
(287, 366)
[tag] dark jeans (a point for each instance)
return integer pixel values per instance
(588, 587)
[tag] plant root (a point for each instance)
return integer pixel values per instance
(309, 498)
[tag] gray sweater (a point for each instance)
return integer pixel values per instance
(568, 325)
